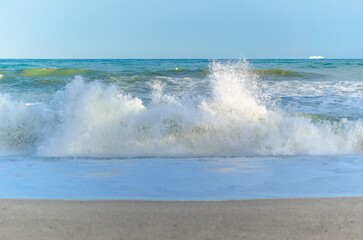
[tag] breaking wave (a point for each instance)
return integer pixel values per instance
(97, 119)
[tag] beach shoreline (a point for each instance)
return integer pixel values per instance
(295, 218)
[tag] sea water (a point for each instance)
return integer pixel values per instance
(181, 129)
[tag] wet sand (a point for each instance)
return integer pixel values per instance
(309, 218)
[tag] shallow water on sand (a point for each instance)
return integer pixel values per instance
(181, 178)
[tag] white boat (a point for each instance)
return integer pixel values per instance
(316, 57)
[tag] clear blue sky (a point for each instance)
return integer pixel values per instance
(181, 29)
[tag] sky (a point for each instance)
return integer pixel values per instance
(181, 29)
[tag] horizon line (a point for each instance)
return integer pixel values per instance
(177, 59)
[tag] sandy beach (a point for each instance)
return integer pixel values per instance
(310, 218)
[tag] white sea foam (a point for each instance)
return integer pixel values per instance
(95, 119)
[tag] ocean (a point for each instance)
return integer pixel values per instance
(192, 129)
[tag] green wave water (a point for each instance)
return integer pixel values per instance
(39, 72)
(278, 71)
(199, 73)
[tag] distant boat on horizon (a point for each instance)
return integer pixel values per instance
(316, 57)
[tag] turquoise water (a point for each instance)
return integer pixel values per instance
(223, 129)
